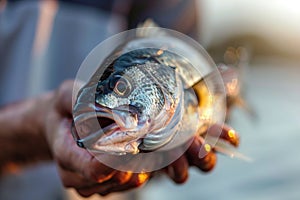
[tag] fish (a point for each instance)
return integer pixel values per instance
(152, 93)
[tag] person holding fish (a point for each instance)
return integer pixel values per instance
(39, 128)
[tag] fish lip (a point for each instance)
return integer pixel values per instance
(96, 112)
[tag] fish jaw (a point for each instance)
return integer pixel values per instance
(118, 131)
(117, 143)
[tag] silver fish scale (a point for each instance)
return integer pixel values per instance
(175, 53)
(111, 100)
(146, 92)
(164, 75)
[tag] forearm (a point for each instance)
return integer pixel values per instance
(22, 139)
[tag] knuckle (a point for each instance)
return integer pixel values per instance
(98, 172)
(66, 85)
(118, 179)
(208, 162)
(96, 175)
(137, 183)
(133, 183)
(62, 163)
(67, 183)
(103, 193)
(122, 177)
(181, 180)
(83, 193)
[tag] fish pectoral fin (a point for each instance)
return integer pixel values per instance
(225, 148)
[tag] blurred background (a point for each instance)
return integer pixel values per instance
(34, 33)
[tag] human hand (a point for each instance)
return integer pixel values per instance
(200, 154)
(82, 171)
(77, 167)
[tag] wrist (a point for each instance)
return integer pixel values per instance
(22, 137)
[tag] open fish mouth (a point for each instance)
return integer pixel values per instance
(103, 127)
(105, 117)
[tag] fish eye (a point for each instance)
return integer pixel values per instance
(120, 85)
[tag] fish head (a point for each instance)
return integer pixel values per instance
(131, 96)
(126, 103)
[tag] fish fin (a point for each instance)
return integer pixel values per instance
(233, 73)
(225, 148)
(230, 76)
(149, 29)
(233, 89)
(147, 23)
